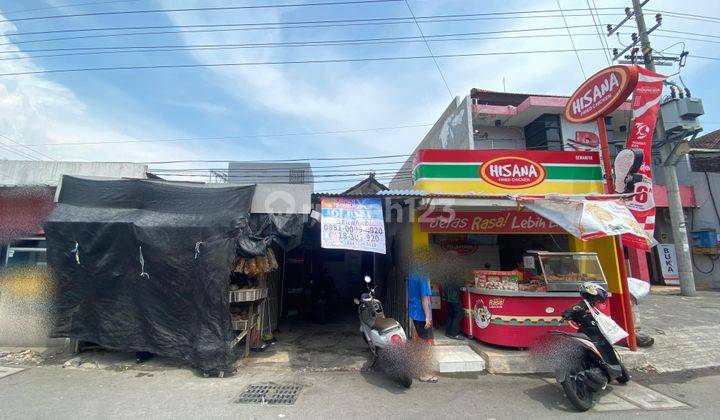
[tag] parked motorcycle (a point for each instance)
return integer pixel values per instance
(598, 363)
(381, 334)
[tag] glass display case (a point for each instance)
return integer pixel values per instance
(566, 271)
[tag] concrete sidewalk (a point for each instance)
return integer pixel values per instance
(685, 331)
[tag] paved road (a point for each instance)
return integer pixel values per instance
(51, 391)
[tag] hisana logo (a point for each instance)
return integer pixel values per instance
(601, 94)
(515, 171)
(512, 172)
(596, 94)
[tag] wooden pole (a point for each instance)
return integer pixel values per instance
(625, 303)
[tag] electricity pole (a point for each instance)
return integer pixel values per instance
(677, 217)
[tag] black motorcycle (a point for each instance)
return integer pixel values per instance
(597, 363)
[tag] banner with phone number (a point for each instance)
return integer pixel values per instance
(352, 223)
(646, 100)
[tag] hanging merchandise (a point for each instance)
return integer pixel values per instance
(647, 96)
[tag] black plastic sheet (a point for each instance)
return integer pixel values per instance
(144, 265)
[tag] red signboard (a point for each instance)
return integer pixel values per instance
(645, 106)
(601, 94)
(508, 221)
(512, 172)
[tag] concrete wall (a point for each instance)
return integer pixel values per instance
(268, 172)
(491, 137)
(707, 271)
(20, 172)
(282, 199)
(453, 130)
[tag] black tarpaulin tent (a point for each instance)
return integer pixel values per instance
(144, 265)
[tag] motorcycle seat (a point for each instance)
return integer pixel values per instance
(382, 324)
(575, 335)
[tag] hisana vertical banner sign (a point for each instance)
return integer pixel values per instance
(646, 100)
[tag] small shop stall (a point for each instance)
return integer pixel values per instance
(491, 218)
(515, 308)
(172, 269)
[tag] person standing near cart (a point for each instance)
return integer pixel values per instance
(419, 305)
(454, 314)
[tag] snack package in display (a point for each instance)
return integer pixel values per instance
(496, 280)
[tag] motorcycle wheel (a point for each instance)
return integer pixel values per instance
(580, 396)
(406, 381)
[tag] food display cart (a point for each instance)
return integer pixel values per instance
(515, 308)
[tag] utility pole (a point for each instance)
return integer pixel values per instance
(677, 217)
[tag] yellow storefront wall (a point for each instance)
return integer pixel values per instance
(479, 186)
(607, 254)
(604, 247)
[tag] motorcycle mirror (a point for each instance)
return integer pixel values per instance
(368, 279)
(357, 301)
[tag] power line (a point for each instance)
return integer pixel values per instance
(687, 15)
(427, 45)
(261, 174)
(344, 165)
(688, 33)
(284, 62)
(85, 51)
(63, 6)
(687, 39)
(275, 172)
(201, 9)
(354, 179)
(222, 138)
(7, 148)
(28, 150)
(21, 153)
(369, 166)
(572, 41)
(290, 24)
(282, 167)
(322, 158)
(598, 24)
(234, 29)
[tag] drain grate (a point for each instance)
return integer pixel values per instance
(271, 393)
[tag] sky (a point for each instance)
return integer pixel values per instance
(261, 112)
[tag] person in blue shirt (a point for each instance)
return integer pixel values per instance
(419, 305)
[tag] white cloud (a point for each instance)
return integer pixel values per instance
(34, 109)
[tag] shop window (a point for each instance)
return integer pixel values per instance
(544, 133)
(26, 252)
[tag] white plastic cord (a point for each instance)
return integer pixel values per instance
(142, 266)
